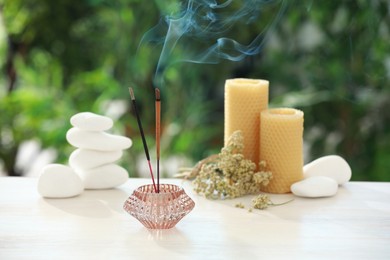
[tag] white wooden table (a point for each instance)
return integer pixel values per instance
(355, 224)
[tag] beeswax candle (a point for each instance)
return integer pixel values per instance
(244, 100)
(281, 146)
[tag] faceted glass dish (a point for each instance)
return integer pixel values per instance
(159, 210)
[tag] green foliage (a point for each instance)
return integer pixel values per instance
(341, 81)
(330, 59)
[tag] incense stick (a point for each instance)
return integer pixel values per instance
(143, 136)
(158, 133)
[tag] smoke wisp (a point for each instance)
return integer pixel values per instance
(200, 31)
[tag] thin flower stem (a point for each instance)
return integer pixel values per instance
(279, 204)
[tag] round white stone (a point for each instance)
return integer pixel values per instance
(91, 122)
(332, 166)
(82, 159)
(315, 187)
(104, 177)
(100, 141)
(59, 181)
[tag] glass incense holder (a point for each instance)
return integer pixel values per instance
(159, 210)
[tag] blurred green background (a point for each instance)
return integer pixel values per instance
(329, 58)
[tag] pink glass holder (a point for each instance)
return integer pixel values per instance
(159, 210)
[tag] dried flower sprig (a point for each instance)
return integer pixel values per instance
(240, 205)
(262, 201)
(228, 175)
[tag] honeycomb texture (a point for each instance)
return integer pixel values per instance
(281, 146)
(244, 100)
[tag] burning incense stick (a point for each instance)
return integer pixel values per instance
(158, 130)
(143, 136)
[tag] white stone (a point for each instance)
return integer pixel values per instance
(82, 159)
(104, 177)
(59, 181)
(100, 141)
(91, 122)
(332, 166)
(314, 187)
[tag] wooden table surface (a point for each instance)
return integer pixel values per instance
(354, 224)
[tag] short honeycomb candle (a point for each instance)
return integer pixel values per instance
(281, 146)
(244, 100)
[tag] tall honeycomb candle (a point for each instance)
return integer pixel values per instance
(244, 100)
(281, 146)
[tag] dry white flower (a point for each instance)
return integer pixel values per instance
(261, 201)
(240, 205)
(229, 174)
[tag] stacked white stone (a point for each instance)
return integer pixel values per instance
(59, 181)
(94, 160)
(322, 177)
